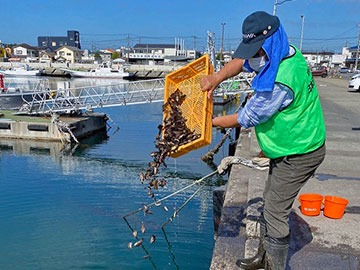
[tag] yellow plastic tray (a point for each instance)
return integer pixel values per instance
(196, 108)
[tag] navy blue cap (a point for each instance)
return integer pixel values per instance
(257, 27)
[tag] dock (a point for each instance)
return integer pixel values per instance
(316, 242)
(42, 128)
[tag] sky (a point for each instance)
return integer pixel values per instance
(328, 25)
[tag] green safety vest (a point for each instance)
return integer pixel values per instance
(300, 127)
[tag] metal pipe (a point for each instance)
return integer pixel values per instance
(357, 52)
(181, 207)
(302, 32)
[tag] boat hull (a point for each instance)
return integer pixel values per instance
(86, 74)
(25, 73)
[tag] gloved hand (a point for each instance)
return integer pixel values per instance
(226, 163)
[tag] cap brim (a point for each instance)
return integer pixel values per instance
(247, 50)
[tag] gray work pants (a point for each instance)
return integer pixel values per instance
(287, 175)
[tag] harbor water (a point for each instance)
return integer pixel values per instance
(62, 209)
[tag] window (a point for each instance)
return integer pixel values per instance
(68, 53)
(61, 53)
(18, 52)
(43, 43)
(53, 43)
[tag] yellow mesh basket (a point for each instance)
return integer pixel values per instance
(196, 108)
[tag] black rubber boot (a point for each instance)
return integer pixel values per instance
(258, 261)
(276, 252)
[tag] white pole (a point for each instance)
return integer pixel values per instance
(357, 52)
(302, 32)
(275, 5)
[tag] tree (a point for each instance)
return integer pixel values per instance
(115, 55)
(97, 55)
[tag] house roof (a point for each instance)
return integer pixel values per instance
(153, 46)
(72, 48)
(48, 53)
(26, 46)
(110, 50)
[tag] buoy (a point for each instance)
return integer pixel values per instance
(2, 87)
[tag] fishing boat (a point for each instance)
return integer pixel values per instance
(21, 71)
(103, 71)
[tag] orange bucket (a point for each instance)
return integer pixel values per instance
(310, 204)
(334, 206)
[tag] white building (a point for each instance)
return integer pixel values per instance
(318, 58)
(160, 53)
(46, 56)
(25, 53)
(338, 60)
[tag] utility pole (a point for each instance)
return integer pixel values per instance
(279, 3)
(357, 51)
(128, 48)
(194, 43)
(222, 42)
(302, 32)
(275, 5)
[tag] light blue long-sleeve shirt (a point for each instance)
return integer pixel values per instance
(263, 105)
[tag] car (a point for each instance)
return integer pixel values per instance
(354, 82)
(319, 71)
(344, 70)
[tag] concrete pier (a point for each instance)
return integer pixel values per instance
(316, 242)
(41, 128)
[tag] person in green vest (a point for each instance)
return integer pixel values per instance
(286, 113)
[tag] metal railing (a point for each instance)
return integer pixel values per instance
(90, 97)
(235, 85)
(119, 94)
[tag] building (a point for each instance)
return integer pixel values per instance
(338, 60)
(46, 56)
(68, 54)
(318, 58)
(160, 54)
(53, 42)
(87, 57)
(351, 59)
(24, 53)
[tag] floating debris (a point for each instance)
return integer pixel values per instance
(143, 228)
(134, 233)
(166, 209)
(138, 243)
(146, 256)
(130, 245)
(152, 239)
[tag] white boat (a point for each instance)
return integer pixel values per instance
(21, 71)
(103, 71)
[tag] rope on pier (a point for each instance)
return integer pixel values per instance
(62, 127)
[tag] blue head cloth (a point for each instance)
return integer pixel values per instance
(276, 47)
